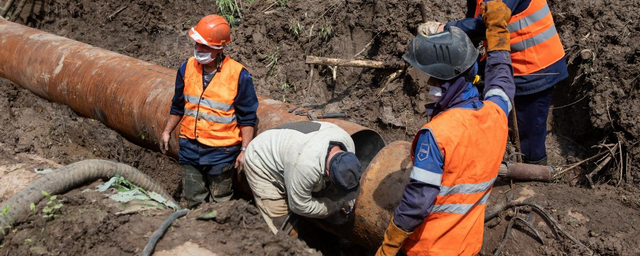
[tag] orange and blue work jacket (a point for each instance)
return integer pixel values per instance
(212, 112)
(536, 51)
(456, 158)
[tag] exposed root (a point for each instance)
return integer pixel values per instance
(553, 224)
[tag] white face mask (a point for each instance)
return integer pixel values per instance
(202, 57)
(435, 93)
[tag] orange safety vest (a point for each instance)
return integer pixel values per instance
(473, 144)
(209, 115)
(535, 43)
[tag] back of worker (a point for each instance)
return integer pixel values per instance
(456, 156)
(285, 164)
(455, 224)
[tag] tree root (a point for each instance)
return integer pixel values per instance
(553, 223)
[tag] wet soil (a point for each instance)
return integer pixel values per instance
(596, 106)
(89, 223)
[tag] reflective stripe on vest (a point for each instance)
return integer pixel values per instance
(209, 116)
(473, 144)
(208, 103)
(459, 208)
(535, 43)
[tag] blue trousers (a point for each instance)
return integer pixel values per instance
(532, 111)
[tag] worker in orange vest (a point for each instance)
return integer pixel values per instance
(216, 103)
(456, 156)
(538, 60)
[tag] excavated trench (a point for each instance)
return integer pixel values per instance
(593, 107)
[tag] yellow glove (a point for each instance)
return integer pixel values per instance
(496, 15)
(393, 238)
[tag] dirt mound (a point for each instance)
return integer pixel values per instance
(598, 104)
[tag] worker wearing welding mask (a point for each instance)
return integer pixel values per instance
(215, 103)
(456, 156)
(538, 61)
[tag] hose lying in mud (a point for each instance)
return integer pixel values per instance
(68, 178)
(151, 245)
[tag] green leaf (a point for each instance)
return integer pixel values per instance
(6, 209)
(107, 185)
(47, 195)
(208, 216)
(32, 206)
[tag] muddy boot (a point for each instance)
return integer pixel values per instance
(193, 185)
(221, 190)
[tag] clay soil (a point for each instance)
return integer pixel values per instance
(596, 108)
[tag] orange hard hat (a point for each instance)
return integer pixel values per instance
(212, 30)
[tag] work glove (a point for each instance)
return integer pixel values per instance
(347, 206)
(393, 239)
(496, 15)
(430, 27)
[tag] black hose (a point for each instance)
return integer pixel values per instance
(151, 245)
(68, 178)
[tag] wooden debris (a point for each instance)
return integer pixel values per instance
(352, 63)
(6, 8)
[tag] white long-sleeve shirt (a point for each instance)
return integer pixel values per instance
(294, 157)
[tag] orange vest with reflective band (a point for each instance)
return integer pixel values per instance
(535, 43)
(209, 116)
(473, 144)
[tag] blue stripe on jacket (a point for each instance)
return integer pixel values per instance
(525, 85)
(420, 194)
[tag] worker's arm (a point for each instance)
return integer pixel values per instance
(474, 26)
(424, 185)
(499, 85)
(300, 183)
(246, 105)
(177, 108)
(419, 195)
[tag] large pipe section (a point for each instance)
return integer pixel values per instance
(133, 97)
(128, 95)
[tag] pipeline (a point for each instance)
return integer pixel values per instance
(133, 97)
(68, 178)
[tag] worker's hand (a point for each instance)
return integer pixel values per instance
(496, 15)
(430, 27)
(164, 147)
(346, 206)
(393, 239)
(239, 165)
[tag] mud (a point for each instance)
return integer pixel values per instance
(594, 107)
(92, 224)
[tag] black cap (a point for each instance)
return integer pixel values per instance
(344, 170)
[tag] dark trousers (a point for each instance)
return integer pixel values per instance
(203, 182)
(532, 111)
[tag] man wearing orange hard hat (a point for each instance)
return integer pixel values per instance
(216, 103)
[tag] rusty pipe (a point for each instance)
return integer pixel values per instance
(133, 97)
(527, 172)
(128, 95)
(382, 186)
